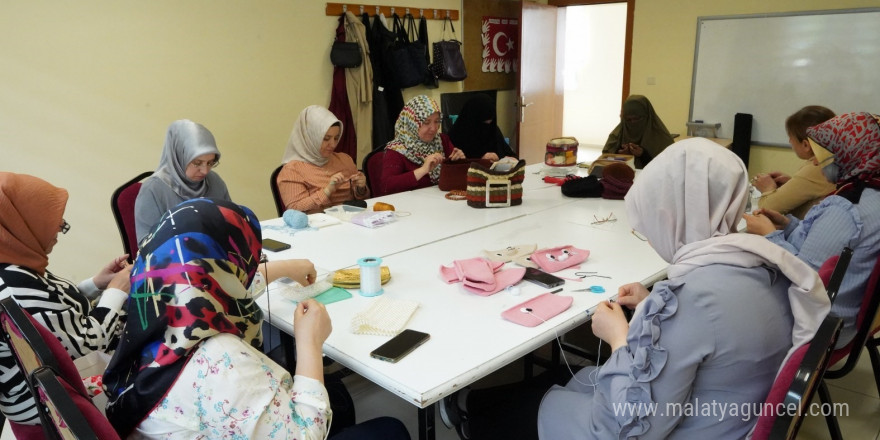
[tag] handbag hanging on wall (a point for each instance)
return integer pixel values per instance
(488, 188)
(409, 62)
(448, 63)
(345, 54)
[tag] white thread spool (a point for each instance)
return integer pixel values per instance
(371, 281)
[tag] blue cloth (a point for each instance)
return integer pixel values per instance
(826, 229)
(706, 342)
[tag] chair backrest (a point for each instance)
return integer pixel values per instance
(866, 326)
(742, 136)
(276, 193)
(372, 169)
(833, 270)
(452, 103)
(73, 416)
(796, 384)
(34, 347)
(122, 205)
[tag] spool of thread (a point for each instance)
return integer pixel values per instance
(371, 280)
(379, 206)
(295, 219)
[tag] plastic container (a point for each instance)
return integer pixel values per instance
(561, 156)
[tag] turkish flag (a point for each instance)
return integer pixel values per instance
(499, 44)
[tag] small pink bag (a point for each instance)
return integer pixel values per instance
(538, 309)
(555, 259)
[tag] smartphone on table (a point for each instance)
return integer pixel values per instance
(399, 346)
(274, 245)
(542, 278)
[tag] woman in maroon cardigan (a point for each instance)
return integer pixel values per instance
(413, 157)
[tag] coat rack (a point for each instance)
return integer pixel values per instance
(336, 9)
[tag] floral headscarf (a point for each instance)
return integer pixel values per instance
(854, 141)
(406, 133)
(30, 219)
(189, 282)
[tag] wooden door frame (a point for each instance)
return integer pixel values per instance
(627, 45)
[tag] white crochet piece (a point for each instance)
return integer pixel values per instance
(296, 292)
(384, 317)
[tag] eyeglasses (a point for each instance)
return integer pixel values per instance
(207, 164)
(64, 226)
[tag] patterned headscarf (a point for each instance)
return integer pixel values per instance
(308, 135)
(185, 141)
(854, 140)
(406, 133)
(30, 219)
(189, 282)
(648, 132)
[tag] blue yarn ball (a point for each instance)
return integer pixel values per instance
(296, 219)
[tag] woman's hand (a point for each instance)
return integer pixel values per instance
(630, 148)
(610, 325)
(491, 156)
(765, 221)
(102, 279)
(780, 178)
(431, 162)
(359, 180)
(311, 326)
(630, 295)
(764, 182)
(300, 270)
(335, 180)
(121, 280)
(456, 154)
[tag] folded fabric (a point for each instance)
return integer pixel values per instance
(510, 253)
(351, 278)
(538, 309)
(555, 259)
(384, 317)
(481, 276)
(297, 292)
(582, 187)
(617, 178)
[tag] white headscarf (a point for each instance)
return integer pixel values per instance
(185, 141)
(308, 134)
(688, 201)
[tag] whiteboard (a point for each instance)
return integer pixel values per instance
(771, 65)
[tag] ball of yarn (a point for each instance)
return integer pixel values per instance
(379, 206)
(296, 219)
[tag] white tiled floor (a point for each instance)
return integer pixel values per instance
(857, 390)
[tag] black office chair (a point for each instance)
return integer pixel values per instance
(276, 193)
(742, 136)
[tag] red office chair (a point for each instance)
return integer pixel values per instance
(276, 193)
(796, 384)
(36, 349)
(867, 328)
(372, 169)
(122, 205)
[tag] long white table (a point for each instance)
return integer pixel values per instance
(469, 338)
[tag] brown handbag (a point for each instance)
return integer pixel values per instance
(453, 173)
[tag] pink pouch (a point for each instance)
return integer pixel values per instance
(555, 259)
(503, 279)
(538, 309)
(473, 271)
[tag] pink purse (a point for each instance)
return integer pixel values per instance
(538, 309)
(555, 259)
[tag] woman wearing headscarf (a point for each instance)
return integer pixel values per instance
(314, 177)
(185, 172)
(195, 329)
(807, 187)
(733, 308)
(847, 149)
(640, 132)
(31, 217)
(475, 130)
(412, 159)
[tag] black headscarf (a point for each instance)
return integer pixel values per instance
(473, 135)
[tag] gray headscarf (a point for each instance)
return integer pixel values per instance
(185, 141)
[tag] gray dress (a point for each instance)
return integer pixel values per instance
(156, 197)
(705, 348)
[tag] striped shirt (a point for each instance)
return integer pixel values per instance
(66, 311)
(302, 184)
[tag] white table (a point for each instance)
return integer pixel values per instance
(469, 339)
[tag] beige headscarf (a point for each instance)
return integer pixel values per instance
(688, 202)
(31, 211)
(308, 134)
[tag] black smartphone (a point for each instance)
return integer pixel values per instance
(542, 278)
(399, 346)
(274, 245)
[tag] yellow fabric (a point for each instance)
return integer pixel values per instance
(351, 278)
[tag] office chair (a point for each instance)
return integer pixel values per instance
(372, 169)
(276, 193)
(122, 204)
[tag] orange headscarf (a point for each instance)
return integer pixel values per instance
(31, 211)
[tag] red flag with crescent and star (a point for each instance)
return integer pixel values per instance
(500, 47)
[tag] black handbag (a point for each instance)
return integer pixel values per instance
(345, 54)
(448, 63)
(408, 55)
